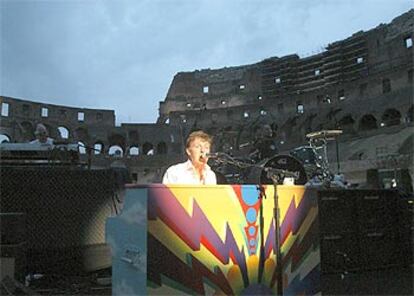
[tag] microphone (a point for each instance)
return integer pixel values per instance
(214, 155)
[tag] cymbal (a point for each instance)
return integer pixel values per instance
(324, 134)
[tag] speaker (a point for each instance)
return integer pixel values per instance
(13, 228)
(365, 242)
(361, 230)
(379, 249)
(406, 232)
(65, 209)
(337, 211)
(377, 209)
(388, 281)
(373, 181)
(339, 252)
(339, 244)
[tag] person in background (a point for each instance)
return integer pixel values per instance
(264, 144)
(195, 170)
(42, 134)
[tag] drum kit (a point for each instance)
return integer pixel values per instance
(303, 165)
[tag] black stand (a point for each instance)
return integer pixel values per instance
(262, 194)
(89, 150)
(279, 270)
(276, 177)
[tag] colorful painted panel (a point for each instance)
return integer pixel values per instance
(127, 236)
(208, 240)
(172, 240)
(299, 240)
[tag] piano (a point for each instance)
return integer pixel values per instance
(38, 154)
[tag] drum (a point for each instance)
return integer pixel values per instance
(258, 174)
(305, 154)
(309, 159)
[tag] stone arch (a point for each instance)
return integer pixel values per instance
(116, 150)
(346, 120)
(147, 148)
(117, 139)
(134, 150)
(63, 132)
(162, 148)
(98, 148)
(391, 117)
(367, 122)
(346, 123)
(82, 147)
(4, 138)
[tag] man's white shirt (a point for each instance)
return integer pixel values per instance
(185, 173)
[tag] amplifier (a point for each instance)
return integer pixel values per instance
(35, 154)
(65, 210)
(361, 230)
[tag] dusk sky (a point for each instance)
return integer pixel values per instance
(123, 55)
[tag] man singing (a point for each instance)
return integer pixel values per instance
(195, 170)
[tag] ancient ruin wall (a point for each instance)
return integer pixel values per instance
(361, 83)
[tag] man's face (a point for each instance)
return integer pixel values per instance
(197, 151)
(267, 131)
(264, 131)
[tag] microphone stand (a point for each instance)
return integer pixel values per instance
(276, 175)
(89, 150)
(262, 194)
(279, 270)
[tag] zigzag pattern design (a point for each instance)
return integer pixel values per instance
(308, 285)
(196, 229)
(292, 221)
(297, 252)
(189, 278)
(295, 216)
(270, 237)
(270, 240)
(252, 248)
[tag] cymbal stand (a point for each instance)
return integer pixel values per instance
(320, 148)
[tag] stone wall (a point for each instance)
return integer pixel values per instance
(362, 85)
